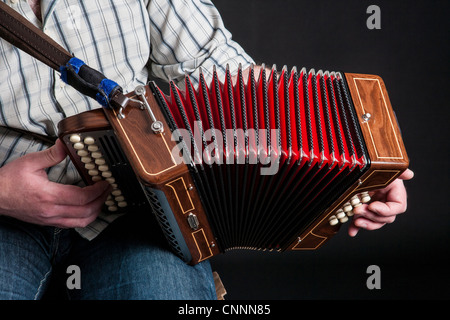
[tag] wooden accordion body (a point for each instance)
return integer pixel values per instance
(267, 161)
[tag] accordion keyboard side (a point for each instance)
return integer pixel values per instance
(91, 144)
(94, 149)
(388, 157)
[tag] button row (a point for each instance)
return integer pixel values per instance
(98, 169)
(341, 215)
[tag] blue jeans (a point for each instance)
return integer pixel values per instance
(128, 260)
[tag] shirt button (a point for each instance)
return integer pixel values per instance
(13, 1)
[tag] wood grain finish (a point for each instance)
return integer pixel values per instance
(184, 200)
(83, 122)
(150, 154)
(381, 131)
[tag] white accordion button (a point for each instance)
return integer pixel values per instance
(347, 207)
(89, 140)
(89, 166)
(100, 161)
(111, 180)
(96, 155)
(355, 202)
(112, 208)
(116, 192)
(93, 172)
(78, 145)
(340, 214)
(365, 197)
(122, 204)
(343, 220)
(82, 153)
(119, 198)
(103, 167)
(75, 138)
(107, 174)
(86, 159)
(333, 220)
(93, 148)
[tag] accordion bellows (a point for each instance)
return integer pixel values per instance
(263, 160)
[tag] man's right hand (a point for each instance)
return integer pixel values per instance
(27, 194)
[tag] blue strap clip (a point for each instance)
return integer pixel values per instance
(96, 85)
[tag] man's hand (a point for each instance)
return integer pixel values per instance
(27, 194)
(385, 206)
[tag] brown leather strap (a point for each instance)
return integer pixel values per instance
(24, 35)
(43, 138)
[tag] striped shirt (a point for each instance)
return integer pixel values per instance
(128, 41)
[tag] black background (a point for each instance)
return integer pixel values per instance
(411, 53)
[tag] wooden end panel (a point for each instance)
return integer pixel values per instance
(188, 211)
(378, 121)
(152, 157)
(85, 121)
(149, 153)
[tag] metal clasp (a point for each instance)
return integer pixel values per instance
(193, 221)
(157, 126)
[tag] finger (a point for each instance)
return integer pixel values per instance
(407, 175)
(71, 195)
(46, 158)
(366, 219)
(363, 223)
(353, 230)
(387, 202)
(387, 209)
(66, 223)
(373, 216)
(65, 216)
(379, 208)
(85, 211)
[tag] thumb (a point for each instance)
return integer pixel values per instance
(49, 157)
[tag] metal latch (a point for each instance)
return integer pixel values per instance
(193, 221)
(157, 126)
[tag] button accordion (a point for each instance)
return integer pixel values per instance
(264, 160)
